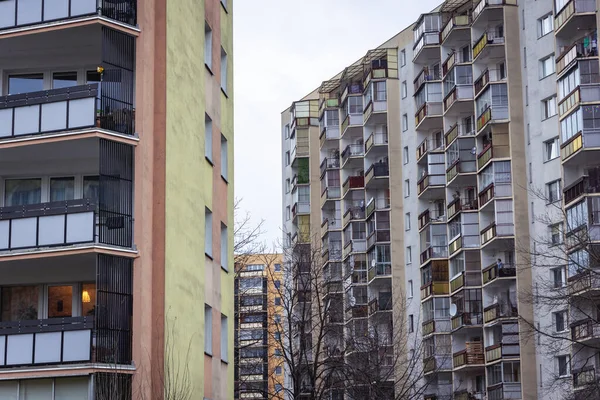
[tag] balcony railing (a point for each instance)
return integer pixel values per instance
(330, 193)
(585, 376)
(585, 330)
(433, 252)
(329, 133)
(493, 230)
(488, 76)
(352, 150)
(378, 236)
(466, 319)
(353, 182)
(485, 156)
(380, 203)
(426, 75)
(434, 289)
(427, 39)
(486, 39)
(430, 180)
(427, 110)
(459, 204)
(483, 4)
(500, 350)
(465, 278)
(329, 224)
(380, 270)
(458, 21)
(585, 281)
(496, 311)
(484, 118)
(579, 188)
(486, 194)
(505, 390)
(432, 215)
(453, 170)
(377, 170)
(471, 355)
(329, 163)
(441, 325)
(453, 247)
(573, 7)
(17, 13)
(492, 272)
(376, 139)
(46, 341)
(582, 48)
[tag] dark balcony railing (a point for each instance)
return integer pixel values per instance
(329, 163)
(434, 289)
(467, 319)
(584, 376)
(17, 13)
(583, 185)
(585, 329)
(496, 311)
(377, 170)
(472, 355)
(486, 194)
(491, 272)
(584, 281)
(426, 75)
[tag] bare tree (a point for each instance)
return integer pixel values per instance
(565, 262)
(246, 235)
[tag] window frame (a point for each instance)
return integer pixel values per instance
(552, 152)
(542, 66)
(541, 20)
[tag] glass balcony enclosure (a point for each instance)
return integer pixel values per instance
(494, 99)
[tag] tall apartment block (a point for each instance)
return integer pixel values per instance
(259, 365)
(425, 167)
(116, 272)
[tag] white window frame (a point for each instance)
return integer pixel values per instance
(545, 25)
(549, 108)
(551, 149)
(547, 66)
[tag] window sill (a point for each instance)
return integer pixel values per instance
(209, 161)
(209, 256)
(544, 77)
(551, 159)
(208, 68)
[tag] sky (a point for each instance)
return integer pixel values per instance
(283, 50)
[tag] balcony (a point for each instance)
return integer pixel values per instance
(352, 182)
(460, 168)
(429, 145)
(426, 46)
(377, 204)
(380, 270)
(488, 76)
(579, 144)
(332, 251)
(491, 114)
(486, 195)
(585, 377)
(354, 246)
(435, 289)
(582, 94)
(329, 133)
(472, 355)
(505, 390)
(430, 181)
(497, 312)
(330, 193)
(329, 163)
(351, 89)
(577, 51)
(330, 224)
(457, 94)
(457, 130)
(379, 170)
(429, 216)
(483, 5)
(352, 151)
(467, 320)
(453, 24)
(494, 231)
(468, 395)
(426, 76)
(580, 187)
(331, 103)
(429, 110)
(24, 13)
(499, 351)
(586, 283)
(437, 363)
(432, 252)
(461, 204)
(491, 273)
(465, 279)
(300, 208)
(574, 14)
(483, 48)
(351, 121)
(585, 331)
(378, 236)
(379, 305)
(374, 140)
(441, 325)
(353, 214)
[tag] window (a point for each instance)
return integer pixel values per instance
(278, 387)
(208, 138)
(405, 153)
(551, 149)
(207, 45)
(404, 90)
(407, 221)
(224, 158)
(380, 93)
(512, 372)
(563, 365)
(411, 323)
(224, 338)
(553, 191)
(410, 289)
(549, 107)
(224, 247)
(559, 319)
(286, 131)
(25, 83)
(545, 25)
(223, 70)
(277, 301)
(408, 255)
(255, 267)
(278, 352)
(278, 370)
(558, 276)
(207, 232)
(287, 185)
(64, 79)
(277, 267)
(404, 122)
(224, 4)
(62, 189)
(402, 58)
(554, 233)
(547, 66)
(406, 187)
(277, 318)
(288, 213)
(208, 329)
(277, 284)
(287, 158)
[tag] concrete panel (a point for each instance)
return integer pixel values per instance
(19, 349)
(83, 7)
(23, 232)
(4, 231)
(51, 230)
(56, 9)
(77, 346)
(7, 13)
(54, 116)
(47, 347)
(82, 113)
(27, 120)
(5, 116)
(29, 12)
(80, 227)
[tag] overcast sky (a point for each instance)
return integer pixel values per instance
(284, 49)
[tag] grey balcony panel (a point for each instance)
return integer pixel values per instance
(23, 232)
(57, 9)
(2, 347)
(29, 12)
(53, 116)
(5, 120)
(80, 227)
(51, 230)
(7, 13)
(20, 349)
(79, 346)
(81, 112)
(83, 7)
(27, 119)
(4, 234)
(47, 347)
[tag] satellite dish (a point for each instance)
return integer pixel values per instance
(453, 310)
(352, 301)
(373, 263)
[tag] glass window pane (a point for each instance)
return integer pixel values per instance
(62, 189)
(64, 79)
(88, 299)
(71, 388)
(35, 389)
(19, 303)
(8, 390)
(18, 192)
(91, 188)
(25, 83)
(60, 301)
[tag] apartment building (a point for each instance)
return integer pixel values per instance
(115, 199)
(259, 365)
(449, 158)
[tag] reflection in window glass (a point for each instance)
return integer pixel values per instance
(25, 83)
(64, 79)
(91, 188)
(19, 192)
(88, 299)
(60, 301)
(62, 189)
(19, 303)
